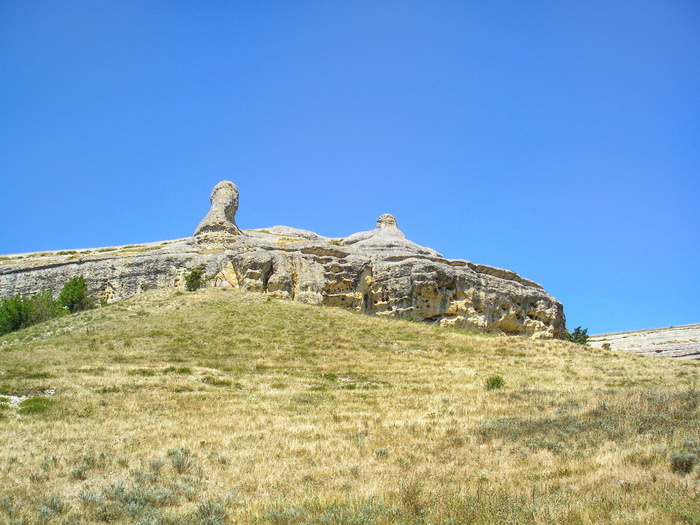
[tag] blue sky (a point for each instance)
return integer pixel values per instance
(557, 139)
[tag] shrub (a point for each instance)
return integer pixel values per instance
(578, 336)
(495, 382)
(74, 295)
(210, 512)
(683, 462)
(43, 307)
(53, 505)
(183, 462)
(80, 473)
(20, 312)
(14, 314)
(194, 280)
(10, 506)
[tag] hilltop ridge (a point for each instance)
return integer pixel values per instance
(378, 272)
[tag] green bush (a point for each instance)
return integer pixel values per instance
(194, 280)
(14, 314)
(20, 311)
(43, 307)
(74, 295)
(578, 336)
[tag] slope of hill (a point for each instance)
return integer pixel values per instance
(220, 406)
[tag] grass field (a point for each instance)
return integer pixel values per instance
(220, 407)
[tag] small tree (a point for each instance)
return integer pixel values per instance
(14, 314)
(43, 307)
(74, 295)
(194, 280)
(578, 336)
(22, 311)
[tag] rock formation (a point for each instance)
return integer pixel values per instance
(377, 272)
(220, 223)
(676, 341)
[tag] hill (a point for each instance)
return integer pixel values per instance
(221, 406)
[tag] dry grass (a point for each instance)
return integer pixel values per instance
(217, 407)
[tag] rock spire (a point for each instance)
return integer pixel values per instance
(221, 220)
(386, 221)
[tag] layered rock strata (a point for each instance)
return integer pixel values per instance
(376, 272)
(676, 341)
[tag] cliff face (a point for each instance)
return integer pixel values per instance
(377, 272)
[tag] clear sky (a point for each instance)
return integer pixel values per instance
(559, 139)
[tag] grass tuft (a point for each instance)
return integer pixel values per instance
(495, 382)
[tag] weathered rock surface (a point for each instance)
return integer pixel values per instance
(377, 272)
(676, 341)
(220, 223)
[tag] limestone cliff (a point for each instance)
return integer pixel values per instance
(377, 272)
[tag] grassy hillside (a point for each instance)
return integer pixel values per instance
(222, 407)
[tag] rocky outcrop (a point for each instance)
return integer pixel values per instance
(377, 272)
(676, 341)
